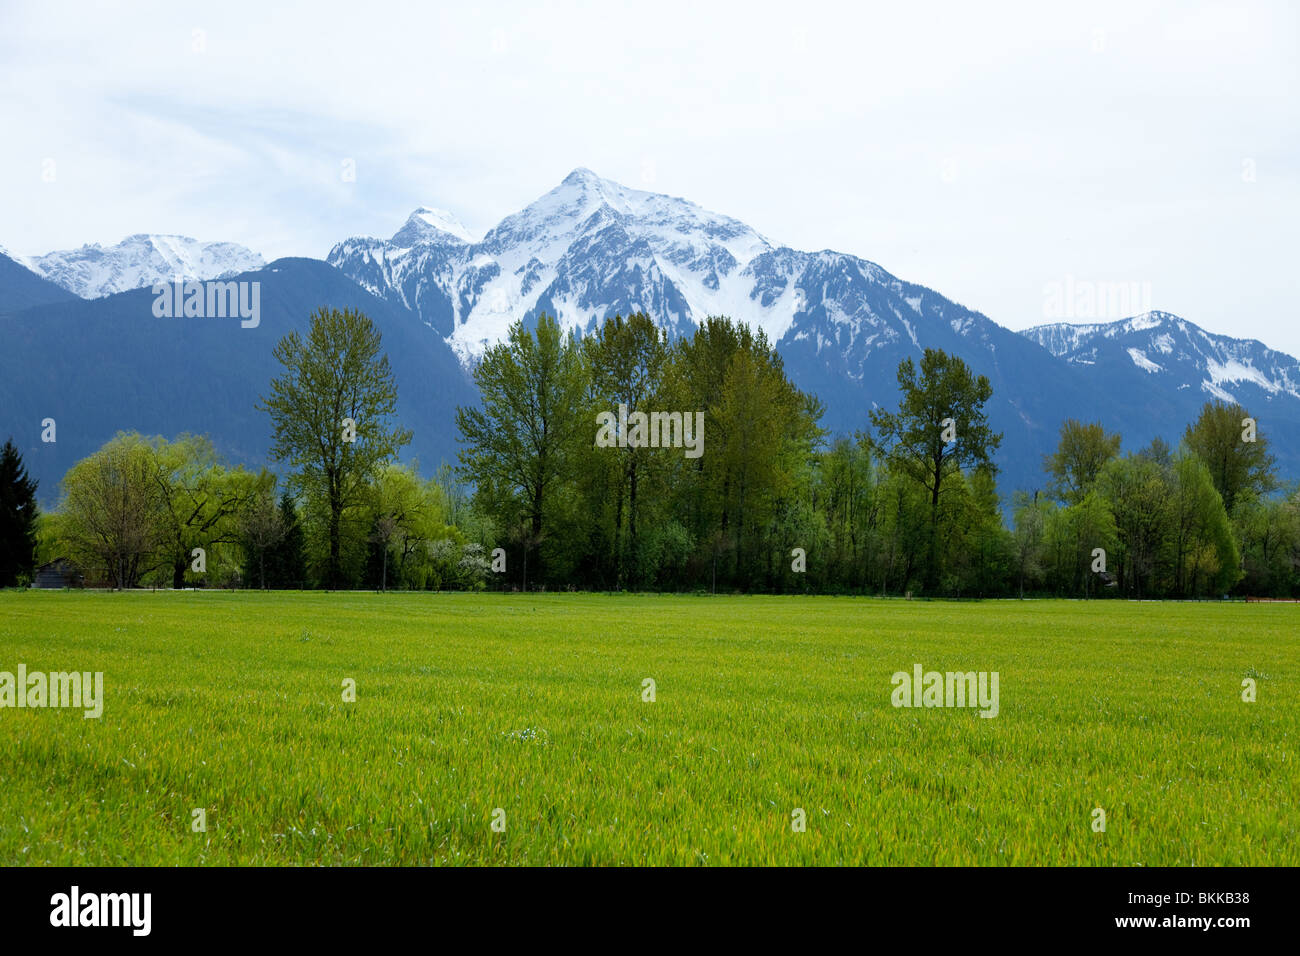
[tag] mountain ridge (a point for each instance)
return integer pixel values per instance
(591, 248)
(97, 366)
(140, 260)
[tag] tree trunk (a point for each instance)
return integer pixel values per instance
(932, 556)
(333, 573)
(631, 527)
(537, 532)
(618, 540)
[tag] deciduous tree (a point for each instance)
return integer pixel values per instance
(940, 428)
(332, 413)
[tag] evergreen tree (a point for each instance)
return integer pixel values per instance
(17, 518)
(286, 561)
(262, 528)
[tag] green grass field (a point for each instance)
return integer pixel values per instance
(233, 702)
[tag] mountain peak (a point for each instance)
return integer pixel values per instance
(429, 224)
(584, 202)
(1153, 319)
(154, 237)
(584, 189)
(582, 176)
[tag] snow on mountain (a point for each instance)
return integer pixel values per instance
(587, 249)
(432, 225)
(24, 261)
(21, 288)
(1141, 361)
(139, 261)
(1163, 344)
(591, 248)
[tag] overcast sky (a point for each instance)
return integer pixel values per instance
(985, 150)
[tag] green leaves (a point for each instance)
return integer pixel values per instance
(1237, 456)
(337, 375)
(939, 429)
(1077, 462)
(534, 419)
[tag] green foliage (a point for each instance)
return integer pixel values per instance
(1205, 558)
(739, 497)
(1029, 538)
(202, 502)
(338, 374)
(524, 441)
(272, 536)
(1138, 491)
(115, 519)
(627, 359)
(911, 507)
(939, 429)
(135, 511)
(1079, 458)
(1269, 535)
(1237, 467)
(407, 517)
(1072, 537)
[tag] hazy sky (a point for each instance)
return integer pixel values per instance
(985, 150)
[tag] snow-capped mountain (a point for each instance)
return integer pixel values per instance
(435, 226)
(139, 261)
(21, 288)
(586, 250)
(1178, 353)
(591, 248)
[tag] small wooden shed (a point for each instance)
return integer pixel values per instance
(59, 573)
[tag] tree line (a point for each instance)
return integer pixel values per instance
(621, 460)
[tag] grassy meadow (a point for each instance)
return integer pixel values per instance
(233, 702)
